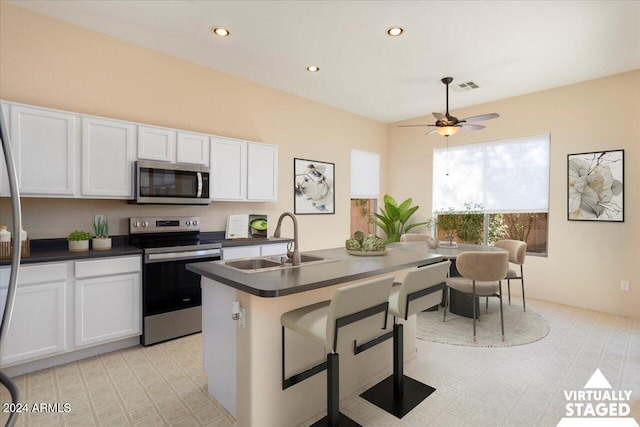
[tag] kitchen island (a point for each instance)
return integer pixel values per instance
(243, 359)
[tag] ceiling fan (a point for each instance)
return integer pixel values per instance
(447, 125)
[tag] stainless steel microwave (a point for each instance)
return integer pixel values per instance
(171, 184)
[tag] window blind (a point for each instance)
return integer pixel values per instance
(510, 175)
(365, 174)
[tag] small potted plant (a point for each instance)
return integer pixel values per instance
(102, 241)
(78, 241)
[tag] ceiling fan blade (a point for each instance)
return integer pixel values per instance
(471, 127)
(439, 116)
(408, 126)
(481, 117)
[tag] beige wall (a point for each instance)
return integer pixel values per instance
(53, 64)
(587, 260)
(50, 63)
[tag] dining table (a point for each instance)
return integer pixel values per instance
(459, 302)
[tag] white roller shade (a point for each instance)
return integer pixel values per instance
(365, 174)
(509, 175)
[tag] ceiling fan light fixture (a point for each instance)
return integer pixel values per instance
(447, 130)
(220, 32)
(395, 31)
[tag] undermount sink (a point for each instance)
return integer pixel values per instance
(262, 264)
(252, 263)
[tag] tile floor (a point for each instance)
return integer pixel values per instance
(513, 386)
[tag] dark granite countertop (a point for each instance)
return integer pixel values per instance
(51, 250)
(342, 268)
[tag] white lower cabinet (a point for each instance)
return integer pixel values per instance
(108, 295)
(107, 308)
(60, 307)
(38, 326)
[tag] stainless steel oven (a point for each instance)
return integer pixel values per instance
(167, 183)
(170, 293)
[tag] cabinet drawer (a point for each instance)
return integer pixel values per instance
(108, 266)
(41, 273)
(240, 252)
(274, 249)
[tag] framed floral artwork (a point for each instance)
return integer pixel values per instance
(313, 187)
(596, 186)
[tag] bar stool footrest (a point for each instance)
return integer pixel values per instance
(383, 397)
(344, 422)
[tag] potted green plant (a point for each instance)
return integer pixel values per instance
(78, 241)
(393, 218)
(102, 241)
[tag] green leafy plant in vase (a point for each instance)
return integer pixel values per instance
(393, 217)
(102, 241)
(78, 241)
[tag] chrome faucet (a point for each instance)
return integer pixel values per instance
(295, 255)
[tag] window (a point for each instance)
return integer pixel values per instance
(365, 189)
(492, 190)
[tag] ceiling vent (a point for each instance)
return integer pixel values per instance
(463, 87)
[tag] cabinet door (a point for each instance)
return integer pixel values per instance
(228, 169)
(4, 179)
(262, 179)
(193, 148)
(44, 145)
(156, 143)
(107, 308)
(38, 324)
(107, 156)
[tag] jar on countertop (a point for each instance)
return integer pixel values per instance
(23, 235)
(5, 235)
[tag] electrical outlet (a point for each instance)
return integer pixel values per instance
(99, 217)
(243, 317)
(624, 285)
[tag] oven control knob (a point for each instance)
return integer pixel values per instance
(136, 224)
(188, 222)
(145, 223)
(195, 222)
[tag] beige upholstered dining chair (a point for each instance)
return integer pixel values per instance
(415, 237)
(482, 275)
(517, 250)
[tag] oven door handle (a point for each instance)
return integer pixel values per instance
(182, 255)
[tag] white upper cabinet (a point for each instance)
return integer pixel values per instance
(193, 148)
(168, 145)
(156, 144)
(243, 171)
(4, 179)
(228, 169)
(43, 144)
(262, 172)
(107, 156)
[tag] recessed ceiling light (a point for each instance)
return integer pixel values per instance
(220, 31)
(313, 68)
(395, 31)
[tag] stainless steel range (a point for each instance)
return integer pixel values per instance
(171, 297)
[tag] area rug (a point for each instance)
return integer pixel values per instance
(520, 327)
